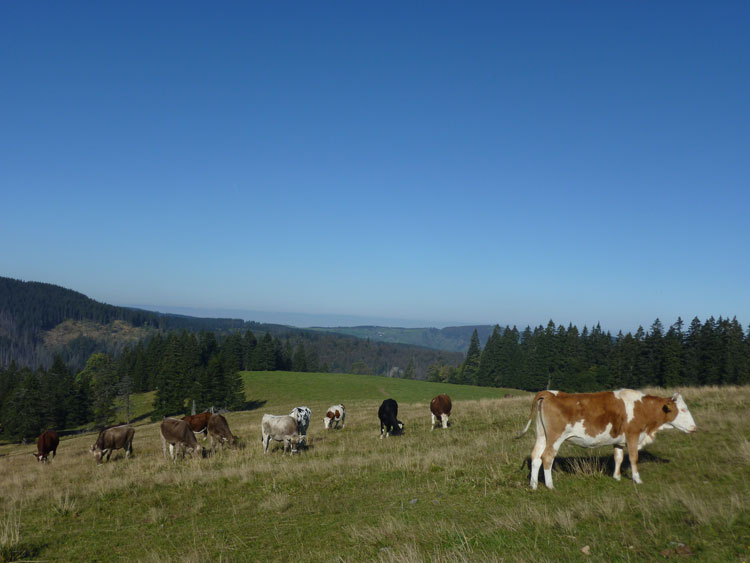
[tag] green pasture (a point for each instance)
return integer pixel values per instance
(459, 494)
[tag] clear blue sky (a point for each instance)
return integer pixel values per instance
(436, 162)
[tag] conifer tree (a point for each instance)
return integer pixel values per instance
(470, 367)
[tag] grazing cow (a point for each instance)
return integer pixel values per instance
(616, 418)
(46, 442)
(389, 424)
(219, 431)
(302, 416)
(281, 429)
(335, 414)
(198, 422)
(178, 434)
(440, 407)
(113, 438)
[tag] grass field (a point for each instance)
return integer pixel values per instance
(449, 495)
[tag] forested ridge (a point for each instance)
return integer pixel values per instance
(710, 352)
(186, 360)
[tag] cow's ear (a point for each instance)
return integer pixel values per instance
(666, 408)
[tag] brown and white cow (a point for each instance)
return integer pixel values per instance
(616, 418)
(198, 422)
(335, 414)
(113, 438)
(178, 434)
(218, 430)
(46, 442)
(281, 428)
(440, 407)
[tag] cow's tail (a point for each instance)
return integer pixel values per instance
(535, 405)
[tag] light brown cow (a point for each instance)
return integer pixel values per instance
(218, 430)
(617, 418)
(179, 436)
(113, 438)
(198, 422)
(280, 428)
(440, 407)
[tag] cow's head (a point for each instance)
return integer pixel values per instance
(327, 419)
(96, 452)
(400, 428)
(39, 457)
(678, 414)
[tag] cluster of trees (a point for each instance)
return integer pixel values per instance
(714, 352)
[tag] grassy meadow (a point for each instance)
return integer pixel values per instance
(459, 494)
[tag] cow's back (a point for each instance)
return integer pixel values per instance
(441, 405)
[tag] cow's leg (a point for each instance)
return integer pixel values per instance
(382, 430)
(536, 459)
(205, 433)
(164, 446)
(266, 440)
(445, 420)
(633, 457)
(432, 426)
(548, 457)
(109, 454)
(619, 455)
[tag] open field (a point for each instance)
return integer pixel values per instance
(449, 495)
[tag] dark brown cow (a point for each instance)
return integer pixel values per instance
(46, 443)
(219, 431)
(198, 422)
(113, 438)
(616, 418)
(178, 434)
(440, 407)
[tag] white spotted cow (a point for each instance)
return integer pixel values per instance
(591, 420)
(335, 414)
(302, 415)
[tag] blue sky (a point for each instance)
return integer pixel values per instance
(401, 162)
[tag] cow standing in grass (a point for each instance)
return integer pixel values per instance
(389, 423)
(46, 443)
(302, 415)
(198, 422)
(616, 418)
(180, 437)
(218, 430)
(336, 414)
(114, 438)
(281, 428)
(440, 408)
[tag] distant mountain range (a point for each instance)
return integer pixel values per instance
(40, 320)
(452, 338)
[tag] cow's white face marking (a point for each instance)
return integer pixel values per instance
(630, 397)
(684, 420)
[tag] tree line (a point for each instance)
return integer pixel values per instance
(713, 352)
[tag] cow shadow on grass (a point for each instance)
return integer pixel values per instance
(591, 465)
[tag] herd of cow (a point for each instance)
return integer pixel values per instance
(617, 418)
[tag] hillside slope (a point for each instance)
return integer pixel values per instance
(41, 320)
(451, 339)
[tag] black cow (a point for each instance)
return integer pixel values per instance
(389, 424)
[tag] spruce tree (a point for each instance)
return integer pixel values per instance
(470, 367)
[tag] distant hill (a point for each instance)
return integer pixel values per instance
(41, 320)
(452, 339)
